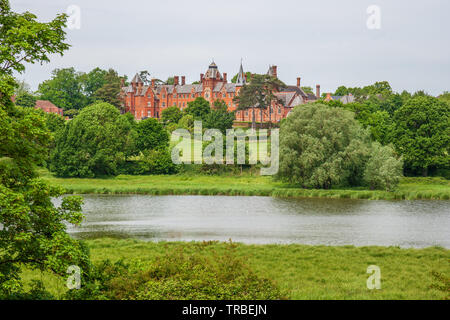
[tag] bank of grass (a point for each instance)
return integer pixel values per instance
(243, 185)
(306, 272)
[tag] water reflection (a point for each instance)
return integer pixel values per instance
(267, 220)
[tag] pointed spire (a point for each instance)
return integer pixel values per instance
(240, 81)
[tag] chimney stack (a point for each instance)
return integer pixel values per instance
(225, 77)
(201, 77)
(183, 80)
(298, 82)
(318, 91)
(246, 80)
(122, 82)
(153, 83)
(175, 80)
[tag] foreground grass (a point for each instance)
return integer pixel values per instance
(308, 272)
(244, 185)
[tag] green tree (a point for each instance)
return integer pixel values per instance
(170, 81)
(25, 40)
(26, 100)
(110, 91)
(383, 169)
(54, 122)
(199, 108)
(341, 91)
(22, 87)
(33, 231)
(145, 76)
(322, 147)
(71, 113)
(64, 89)
(93, 144)
(445, 97)
(234, 79)
(186, 122)
(151, 135)
(421, 133)
(259, 93)
(93, 81)
(171, 115)
(308, 90)
(219, 117)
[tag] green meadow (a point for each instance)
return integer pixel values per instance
(301, 271)
(246, 184)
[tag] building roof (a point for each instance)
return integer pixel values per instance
(45, 104)
(137, 79)
(240, 81)
(213, 72)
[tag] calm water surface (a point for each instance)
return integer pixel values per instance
(267, 220)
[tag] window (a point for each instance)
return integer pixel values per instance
(246, 113)
(279, 110)
(193, 95)
(163, 104)
(206, 95)
(149, 113)
(224, 95)
(164, 96)
(149, 104)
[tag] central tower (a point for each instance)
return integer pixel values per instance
(212, 76)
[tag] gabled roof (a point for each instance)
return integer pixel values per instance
(137, 79)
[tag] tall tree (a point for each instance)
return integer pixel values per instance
(199, 108)
(171, 115)
(110, 91)
(33, 231)
(64, 89)
(92, 144)
(421, 132)
(259, 93)
(92, 81)
(219, 117)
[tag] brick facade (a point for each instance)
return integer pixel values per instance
(148, 101)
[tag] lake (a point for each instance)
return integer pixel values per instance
(264, 220)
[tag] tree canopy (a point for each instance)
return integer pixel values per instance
(322, 147)
(422, 133)
(93, 144)
(33, 230)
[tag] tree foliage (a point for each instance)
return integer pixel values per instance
(151, 135)
(259, 93)
(109, 91)
(33, 231)
(26, 100)
(422, 133)
(171, 115)
(64, 89)
(219, 117)
(322, 147)
(199, 108)
(93, 144)
(25, 40)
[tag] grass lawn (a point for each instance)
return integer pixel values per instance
(246, 184)
(309, 272)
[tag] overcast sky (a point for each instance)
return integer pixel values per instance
(325, 42)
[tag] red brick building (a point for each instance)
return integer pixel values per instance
(45, 106)
(48, 107)
(148, 101)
